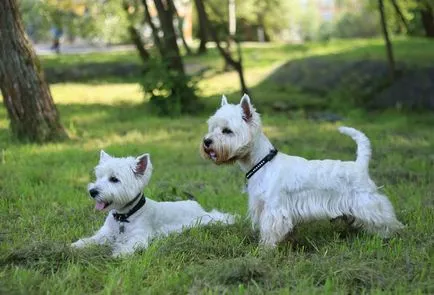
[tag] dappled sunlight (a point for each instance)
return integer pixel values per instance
(4, 124)
(70, 93)
(281, 131)
(88, 118)
(408, 141)
(133, 136)
(166, 137)
(329, 127)
(228, 82)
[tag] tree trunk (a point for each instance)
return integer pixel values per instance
(154, 29)
(135, 36)
(202, 27)
(400, 15)
(26, 95)
(428, 20)
(137, 40)
(387, 40)
(165, 15)
(237, 65)
(180, 21)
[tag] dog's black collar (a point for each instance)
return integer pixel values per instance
(124, 217)
(261, 163)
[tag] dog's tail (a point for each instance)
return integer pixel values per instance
(363, 145)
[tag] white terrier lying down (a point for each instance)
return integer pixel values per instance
(287, 190)
(134, 220)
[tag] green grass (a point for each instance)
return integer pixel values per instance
(44, 206)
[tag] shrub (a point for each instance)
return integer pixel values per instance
(357, 25)
(170, 93)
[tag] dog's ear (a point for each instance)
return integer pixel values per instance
(142, 163)
(103, 156)
(246, 107)
(224, 100)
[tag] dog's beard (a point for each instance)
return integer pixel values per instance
(220, 154)
(113, 200)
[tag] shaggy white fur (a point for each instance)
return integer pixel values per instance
(289, 190)
(119, 183)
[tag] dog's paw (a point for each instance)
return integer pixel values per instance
(121, 253)
(267, 243)
(79, 244)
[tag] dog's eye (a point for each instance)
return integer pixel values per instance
(227, 131)
(113, 179)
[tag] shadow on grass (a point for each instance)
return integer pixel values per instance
(50, 256)
(329, 82)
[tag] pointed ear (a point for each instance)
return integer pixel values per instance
(141, 164)
(103, 156)
(246, 107)
(224, 100)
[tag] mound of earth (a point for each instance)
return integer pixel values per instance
(368, 79)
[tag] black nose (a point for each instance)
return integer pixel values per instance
(207, 142)
(93, 192)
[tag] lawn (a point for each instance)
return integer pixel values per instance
(44, 205)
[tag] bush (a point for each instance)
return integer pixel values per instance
(325, 31)
(170, 92)
(357, 25)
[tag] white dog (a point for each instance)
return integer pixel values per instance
(134, 220)
(287, 190)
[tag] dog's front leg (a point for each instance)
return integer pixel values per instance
(130, 246)
(102, 236)
(275, 224)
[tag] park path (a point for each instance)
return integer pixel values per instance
(77, 48)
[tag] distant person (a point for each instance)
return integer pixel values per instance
(57, 34)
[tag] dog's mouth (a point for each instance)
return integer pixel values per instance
(101, 205)
(211, 153)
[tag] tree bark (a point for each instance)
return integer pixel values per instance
(202, 27)
(154, 29)
(400, 15)
(427, 15)
(236, 64)
(180, 21)
(135, 36)
(26, 95)
(165, 15)
(138, 42)
(389, 49)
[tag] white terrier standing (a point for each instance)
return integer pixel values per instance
(287, 190)
(134, 220)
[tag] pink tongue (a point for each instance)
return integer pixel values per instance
(99, 206)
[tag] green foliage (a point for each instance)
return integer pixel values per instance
(271, 15)
(86, 19)
(105, 23)
(308, 21)
(357, 25)
(170, 93)
(36, 17)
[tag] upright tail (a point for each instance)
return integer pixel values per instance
(363, 145)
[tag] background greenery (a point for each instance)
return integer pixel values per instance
(44, 205)
(108, 23)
